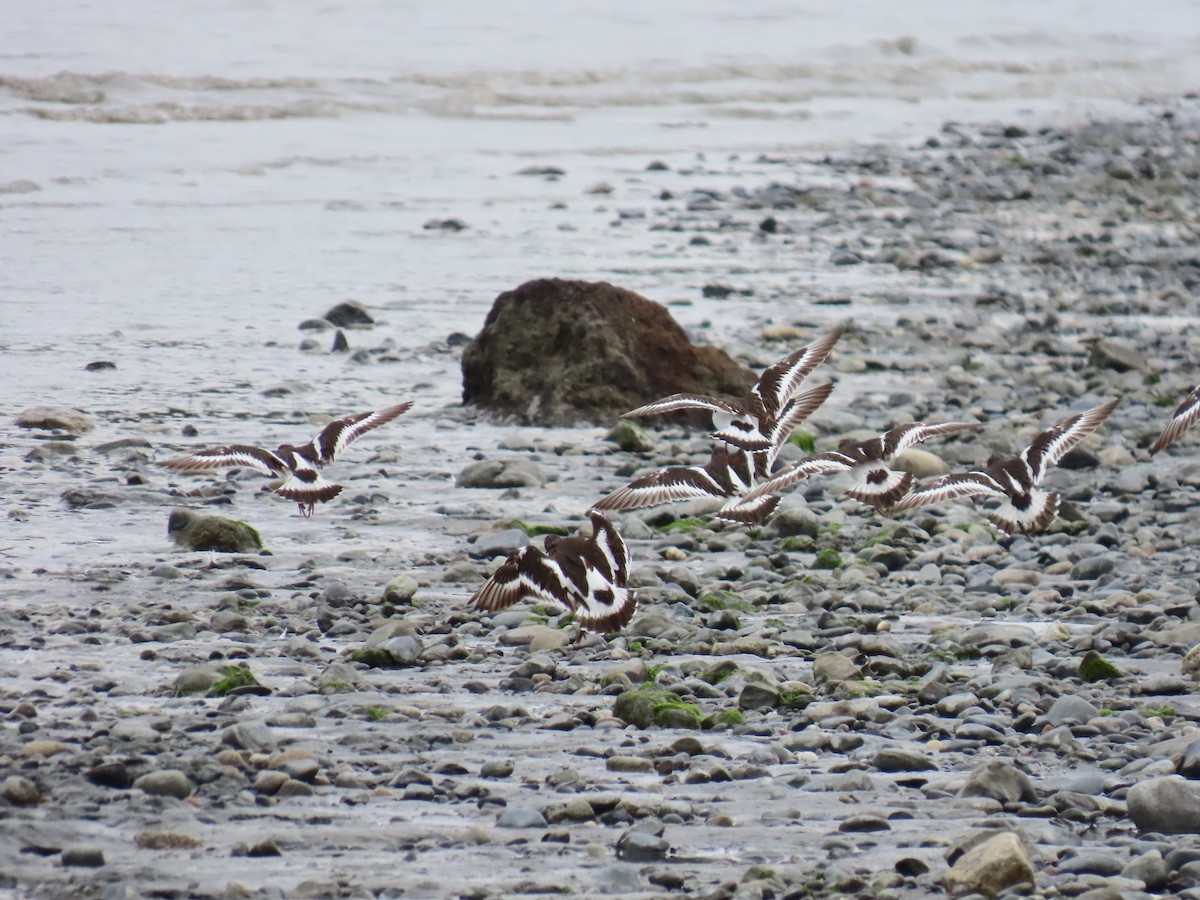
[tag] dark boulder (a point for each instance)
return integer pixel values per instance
(554, 352)
(350, 314)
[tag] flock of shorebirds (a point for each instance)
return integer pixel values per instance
(588, 576)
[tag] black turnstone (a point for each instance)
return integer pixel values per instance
(299, 466)
(585, 576)
(729, 473)
(748, 422)
(1014, 481)
(875, 482)
(1182, 419)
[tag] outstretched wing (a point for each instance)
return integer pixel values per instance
(1184, 417)
(612, 546)
(950, 487)
(1050, 446)
(749, 511)
(526, 573)
(222, 457)
(664, 486)
(780, 381)
(821, 464)
(905, 436)
(336, 436)
(795, 412)
(684, 401)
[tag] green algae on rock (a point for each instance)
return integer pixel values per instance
(193, 531)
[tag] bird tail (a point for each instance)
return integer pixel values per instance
(1036, 516)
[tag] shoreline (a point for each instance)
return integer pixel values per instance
(870, 695)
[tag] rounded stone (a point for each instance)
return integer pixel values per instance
(87, 857)
(521, 817)
(166, 783)
(19, 791)
(1170, 805)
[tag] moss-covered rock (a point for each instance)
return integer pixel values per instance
(827, 558)
(236, 680)
(649, 704)
(555, 352)
(1095, 667)
(630, 437)
(193, 531)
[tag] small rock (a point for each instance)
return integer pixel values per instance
(43, 748)
(920, 463)
(497, 543)
(1170, 805)
(1070, 710)
(758, 695)
(194, 531)
(900, 759)
(629, 764)
(166, 783)
(1092, 567)
(294, 788)
(19, 791)
(1106, 354)
(630, 437)
(834, 666)
(349, 314)
(795, 521)
(1095, 667)
(521, 817)
(496, 768)
(56, 418)
(1001, 781)
(990, 867)
(249, 735)
(548, 639)
(400, 589)
(495, 473)
(642, 846)
(88, 857)
(268, 782)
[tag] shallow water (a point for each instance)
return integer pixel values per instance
(178, 194)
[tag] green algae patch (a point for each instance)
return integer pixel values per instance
(827, 558)
(1096, 668)
(649, 704)
(232, 678)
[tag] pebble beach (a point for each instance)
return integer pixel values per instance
(835, 704)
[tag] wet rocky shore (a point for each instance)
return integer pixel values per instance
(836, 704)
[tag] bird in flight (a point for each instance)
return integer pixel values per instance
(729, 473)
(875, 482)
(748, 422)
(584, 575)
(299, 466)
(1182, 419)
(1024, 507)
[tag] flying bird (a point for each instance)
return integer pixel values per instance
(298, 466)
(585, 576)
(729, 473)
(748, 422)
(1182, 419)
(875, 482)
(1023, 508)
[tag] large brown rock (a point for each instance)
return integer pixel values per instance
(554, 352)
